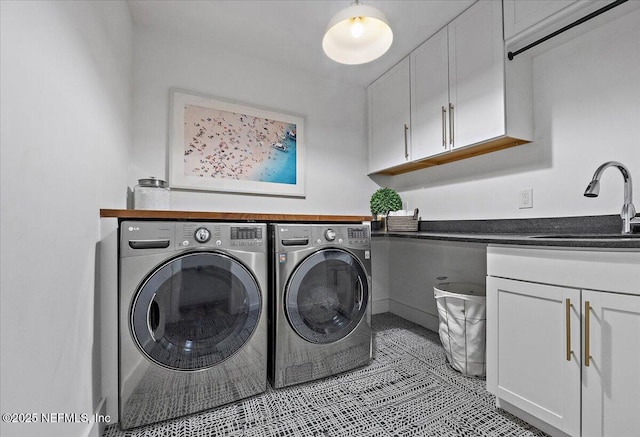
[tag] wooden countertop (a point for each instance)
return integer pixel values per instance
(230, 216)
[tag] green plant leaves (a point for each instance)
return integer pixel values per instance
(385, 200)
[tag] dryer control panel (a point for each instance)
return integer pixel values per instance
(358, 235)
(351, 236)
(297, 236)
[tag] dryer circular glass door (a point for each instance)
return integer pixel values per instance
(326, 296)
(195, 311)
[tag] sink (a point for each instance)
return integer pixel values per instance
(587, 236)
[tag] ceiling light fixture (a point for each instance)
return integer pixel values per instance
(357, 35)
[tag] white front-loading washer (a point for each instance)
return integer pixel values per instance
(320, 301)
(192, 317)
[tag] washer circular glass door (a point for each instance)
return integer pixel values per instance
(195, 311)
(326, 296)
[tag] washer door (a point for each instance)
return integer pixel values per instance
(327, 296)
(195, 311)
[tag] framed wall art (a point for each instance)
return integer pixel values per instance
(216, 145)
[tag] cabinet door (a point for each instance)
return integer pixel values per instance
(389, 117)
(520, 15)
(611, 380)
(430, 97)
(476, 74)
(534, 331)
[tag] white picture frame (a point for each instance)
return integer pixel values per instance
(217, 145)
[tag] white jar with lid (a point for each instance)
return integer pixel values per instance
(151, 193)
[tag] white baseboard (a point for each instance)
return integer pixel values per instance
(543, 426)
(414, 315)
(100, 420)
(380, 306)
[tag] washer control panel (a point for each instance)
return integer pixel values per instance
(239, 236)
(140, 238)
(246, 233)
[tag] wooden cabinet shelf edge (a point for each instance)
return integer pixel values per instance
(492, 145)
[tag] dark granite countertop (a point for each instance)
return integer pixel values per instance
(588, 232)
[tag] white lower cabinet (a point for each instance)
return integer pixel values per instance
(566, 357)
(611, 378)
(533, 372)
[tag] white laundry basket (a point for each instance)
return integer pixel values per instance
(462, 310)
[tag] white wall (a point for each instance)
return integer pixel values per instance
(66, 85)
(335, 117)
(410, 269)
(380, 275)
(587, 111)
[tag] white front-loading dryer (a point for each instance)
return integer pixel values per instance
(320, 301)
(192, 317)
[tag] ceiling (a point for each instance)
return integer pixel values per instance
(290, 32)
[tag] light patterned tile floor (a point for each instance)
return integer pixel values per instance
(407, 390)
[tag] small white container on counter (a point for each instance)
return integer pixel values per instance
(151, 193)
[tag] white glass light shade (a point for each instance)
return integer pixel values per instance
(340, 44)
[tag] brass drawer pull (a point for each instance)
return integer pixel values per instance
(587, 333)
(444, 127)
(406, 149)
(451, 129)
(568, 330)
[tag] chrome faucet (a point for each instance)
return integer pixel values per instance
(628, 212)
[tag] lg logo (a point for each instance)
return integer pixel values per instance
(133, 228)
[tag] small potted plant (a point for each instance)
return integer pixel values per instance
(383, 201)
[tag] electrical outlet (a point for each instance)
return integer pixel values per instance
(526, 199)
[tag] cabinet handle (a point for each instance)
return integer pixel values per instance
(587, 333)
(444, 127)
(568, 322)
(451, 124)
(406, 148)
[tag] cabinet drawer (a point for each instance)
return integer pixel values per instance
(616, 270)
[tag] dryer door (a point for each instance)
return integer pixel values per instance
(327, 296)
(195, 311)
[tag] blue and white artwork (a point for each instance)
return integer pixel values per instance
(228, 145)
(218, 145)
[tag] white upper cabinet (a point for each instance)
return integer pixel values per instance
(520, 15)
(389, 119)
(430, 97)
(457, 84)
(458, 91)
(476, 75)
